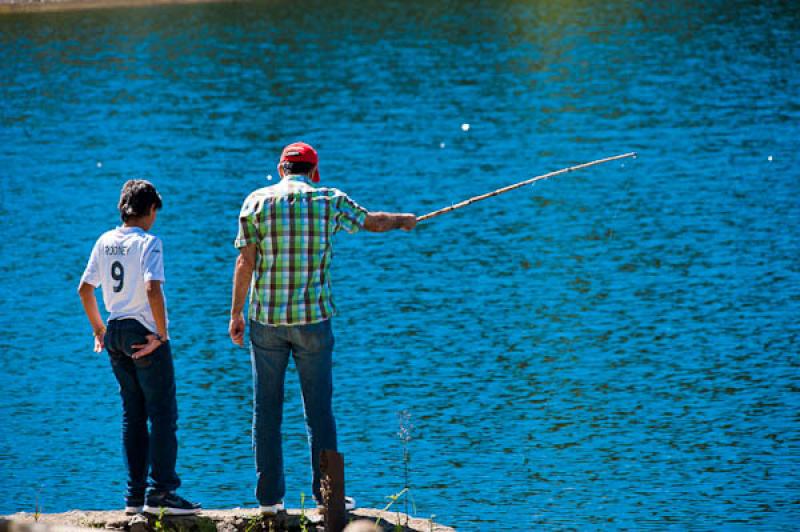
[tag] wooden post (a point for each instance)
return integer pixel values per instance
(331, 465)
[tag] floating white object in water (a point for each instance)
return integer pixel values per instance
(269, 177)
(99, 164)
(441, 145)
(769, 158)
(464, 127)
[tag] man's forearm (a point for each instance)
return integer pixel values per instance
(379, 222)
(242, 275)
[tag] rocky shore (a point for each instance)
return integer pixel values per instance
(27, 6)
(235, 520)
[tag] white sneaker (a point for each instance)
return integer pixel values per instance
(272, 509)
(133, 510)
(349, 504)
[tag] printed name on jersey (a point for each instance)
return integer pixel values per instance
(116, 249)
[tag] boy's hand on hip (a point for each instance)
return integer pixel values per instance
(153, 343)
(236, 329)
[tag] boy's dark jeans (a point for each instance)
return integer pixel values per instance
(147, 388)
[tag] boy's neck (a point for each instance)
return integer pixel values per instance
(136, 222)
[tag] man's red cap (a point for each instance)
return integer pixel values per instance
(300, 152)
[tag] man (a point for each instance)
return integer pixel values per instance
(128, 263)
(285, 251)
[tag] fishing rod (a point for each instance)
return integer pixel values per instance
(499, 191)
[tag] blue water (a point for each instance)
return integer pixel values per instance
(613, 348)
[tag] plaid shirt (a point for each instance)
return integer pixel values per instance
(293, 224)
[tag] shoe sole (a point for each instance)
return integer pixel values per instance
(133, 510)
(171, 511)
(346, 507)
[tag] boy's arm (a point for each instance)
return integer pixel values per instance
(89, 301)
(155, 297)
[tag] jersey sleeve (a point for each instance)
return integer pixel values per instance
(248, 226)
(153, 261)
(91, 275)
(350, 216)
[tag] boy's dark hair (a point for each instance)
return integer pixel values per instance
(136, 199)
(297, 168)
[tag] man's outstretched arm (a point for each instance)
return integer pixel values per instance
(242, 275)
(379, 222)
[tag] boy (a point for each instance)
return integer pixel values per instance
(127, 262)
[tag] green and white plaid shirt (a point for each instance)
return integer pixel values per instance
(293, 224)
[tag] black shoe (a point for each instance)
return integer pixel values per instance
(133, 507)
(134, 503)
(170, 503)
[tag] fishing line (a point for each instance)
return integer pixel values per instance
(618, 208)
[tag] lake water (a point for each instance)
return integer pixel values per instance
(612, 348)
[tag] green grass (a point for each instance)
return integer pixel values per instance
(158, 525)
(303, 518)
(254, 523)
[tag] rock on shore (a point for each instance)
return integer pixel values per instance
(235, 520)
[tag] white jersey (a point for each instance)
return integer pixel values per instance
(122, 261)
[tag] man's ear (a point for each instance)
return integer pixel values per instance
(315, 175)
(280, 170)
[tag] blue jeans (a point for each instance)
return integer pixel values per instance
(147, 388)
(312, 349)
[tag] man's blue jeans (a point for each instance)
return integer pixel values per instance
(312, 349)
(147, 388)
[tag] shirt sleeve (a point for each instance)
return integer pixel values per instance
(350, 216)
(153, 261)
(91, 275)
(248, 232)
